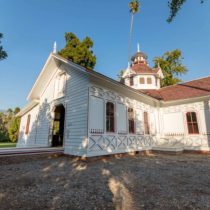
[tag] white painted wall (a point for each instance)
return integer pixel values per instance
(76, 103)
(85, 132)
(102, 142)
(173, 123)
(174, 128)
(40, 117)
(136, 82)
(28, 140)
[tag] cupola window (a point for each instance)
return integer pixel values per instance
(149, 80)
(141, 80)
(131, 81)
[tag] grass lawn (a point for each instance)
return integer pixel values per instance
(7, 144)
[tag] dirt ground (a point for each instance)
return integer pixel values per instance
(129, 182)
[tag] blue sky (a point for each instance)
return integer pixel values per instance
(30, 28)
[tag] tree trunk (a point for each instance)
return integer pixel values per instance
(130, 36)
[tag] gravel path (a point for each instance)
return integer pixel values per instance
(130, 182)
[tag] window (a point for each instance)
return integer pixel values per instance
(109, 117)
(131, 123)
(146, 123)
(149, 80)
(60, 85)
(192, 123)
(131, 81)
(141, 80)
(28, 124)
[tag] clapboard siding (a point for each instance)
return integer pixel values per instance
(43, 125)
(39, 133)
(28, 140)
(44, 114)
(77, 112)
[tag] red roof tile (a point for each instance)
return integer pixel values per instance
(143, 68)
(192, 89)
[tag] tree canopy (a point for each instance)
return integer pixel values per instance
(175, 6)
(172, 67)
(9, 125)
(133, 8)
(79, 52)
(3, 53)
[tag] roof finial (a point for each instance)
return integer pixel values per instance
(54, 48)
(138, 47)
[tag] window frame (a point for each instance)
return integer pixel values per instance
(28, 124)
(131, 79)
(140, 80)
(192, 123)
(130, 120)
(150, 79)
(114, 117)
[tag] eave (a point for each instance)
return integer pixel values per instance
(27, 108)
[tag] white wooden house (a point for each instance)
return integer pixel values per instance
(90, 114)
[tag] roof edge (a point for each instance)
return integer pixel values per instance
(27, 108)
(39, 76)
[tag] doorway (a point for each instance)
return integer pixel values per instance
(58, 126)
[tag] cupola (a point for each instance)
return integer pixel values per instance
(139, 75)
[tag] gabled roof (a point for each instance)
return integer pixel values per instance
(54, 61)
(143, 68)
(187, 90)
(44, 75)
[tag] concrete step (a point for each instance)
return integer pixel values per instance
(30, 151)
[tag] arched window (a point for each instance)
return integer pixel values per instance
(192, 123)
(131, 122)
(60, 85)
(28, 124)
(110, 117)
(146, 124)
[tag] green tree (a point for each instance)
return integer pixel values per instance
(120, 74)
(3, 53)
(134, 8)
(9, 125)
(16, 110)
(175, 6)
(13, 130)
(79, 52)
(172, 67)
(3, 129)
